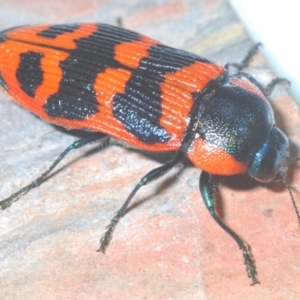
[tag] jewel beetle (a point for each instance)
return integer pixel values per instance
(121, 84)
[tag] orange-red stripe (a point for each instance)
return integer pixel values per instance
(213, 159)
(66, 40)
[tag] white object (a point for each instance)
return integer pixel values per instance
(276, 24)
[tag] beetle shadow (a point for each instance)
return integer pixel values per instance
(244, 182)
(160, 157)
(74, 132)
(241, 182)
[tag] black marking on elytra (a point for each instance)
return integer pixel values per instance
(163, 60)
(29, 72)
(4, 32)
(139, 107)
(55, 30)
(232, 120)
(76, 98)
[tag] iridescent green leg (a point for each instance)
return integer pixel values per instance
(207, 189)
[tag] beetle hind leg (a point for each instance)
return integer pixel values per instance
(7, 202)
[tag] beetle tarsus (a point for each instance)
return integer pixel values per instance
(7, 202)
(108, 235)
(250, 264)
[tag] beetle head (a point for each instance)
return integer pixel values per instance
(270, 162)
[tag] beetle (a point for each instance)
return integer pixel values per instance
(121, 84)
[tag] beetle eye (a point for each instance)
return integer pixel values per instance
(271, 160)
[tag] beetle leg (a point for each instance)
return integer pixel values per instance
(266, 90)
(5, 203)
(207, 189)
(270, 87)
(245, 62)
(151, 176)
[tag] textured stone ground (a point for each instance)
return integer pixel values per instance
(167, 246)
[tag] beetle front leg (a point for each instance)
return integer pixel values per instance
(207, 189)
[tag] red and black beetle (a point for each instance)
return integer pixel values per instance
(121, 84)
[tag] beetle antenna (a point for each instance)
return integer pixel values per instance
(284, 181)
